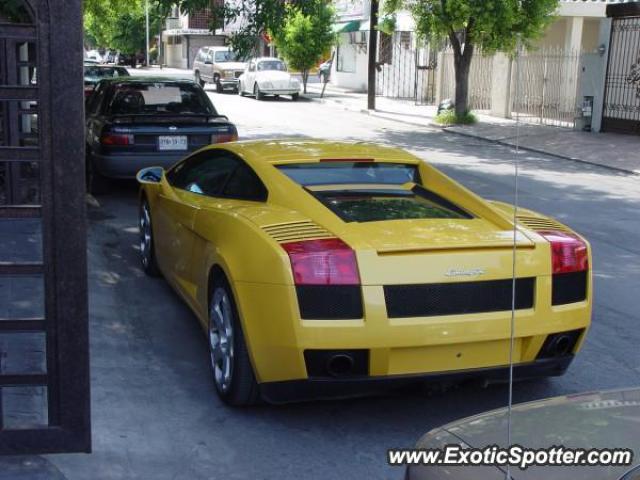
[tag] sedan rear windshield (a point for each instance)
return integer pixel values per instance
(389, 204)
(159, 98)
(345, 172)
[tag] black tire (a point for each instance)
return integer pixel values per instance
(295, 97)
(219, 88)
(97, 184)
(199, 80)
(242, 389)
(147, 245)
(256, 91)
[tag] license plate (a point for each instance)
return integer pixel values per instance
(173, 142)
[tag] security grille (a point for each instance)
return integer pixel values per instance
(44, 377)
(545, 87)
(406, 68)
(621, 112)
(480, 73)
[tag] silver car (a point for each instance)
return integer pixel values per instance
(590, 420)
(218, 65)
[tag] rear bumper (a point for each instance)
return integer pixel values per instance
(290, 91)
(322, 388)
(397, 347)
(229, 82)
(127, 166)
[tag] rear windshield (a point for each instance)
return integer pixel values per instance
(336, 173)
(225, 56)
(389, 204)
(159, 98)
(105, 72)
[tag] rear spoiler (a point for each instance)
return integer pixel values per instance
(172, 118)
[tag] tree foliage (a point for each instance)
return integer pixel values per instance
(119, 24)
(491, 25)
(304, 39)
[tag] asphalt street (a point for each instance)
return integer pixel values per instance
(155, 411)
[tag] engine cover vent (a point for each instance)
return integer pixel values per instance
(296, 231)
(538, 223)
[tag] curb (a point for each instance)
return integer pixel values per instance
(544, 152)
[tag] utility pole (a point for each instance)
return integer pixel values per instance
(373, 54)
(146, 12)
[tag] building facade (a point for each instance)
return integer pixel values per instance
(185, 34)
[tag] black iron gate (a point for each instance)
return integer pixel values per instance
(44, 371)
(621, 109)
(406, 68)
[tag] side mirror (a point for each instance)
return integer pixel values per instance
(150, 175)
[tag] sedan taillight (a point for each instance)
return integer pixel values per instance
(116, 139)
(568, 252)
(224, 137)
(323, 262)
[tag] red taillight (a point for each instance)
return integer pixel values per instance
(323, 262)
(88, 92)
(224, 137)
(568, 252)
(116, 139)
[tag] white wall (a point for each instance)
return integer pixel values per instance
(356, 80)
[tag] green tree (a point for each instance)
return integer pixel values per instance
(304, 39)
(118, 24)
(491, 25)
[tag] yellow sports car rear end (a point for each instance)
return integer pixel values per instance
(362, 266)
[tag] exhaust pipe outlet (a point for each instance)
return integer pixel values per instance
(339, 365)
(561, 345)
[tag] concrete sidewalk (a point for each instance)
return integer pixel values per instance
(610, 150)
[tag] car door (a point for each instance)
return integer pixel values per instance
(202, 174)
(208, 66)
(93, 117)
(250, 76)
(242, 188)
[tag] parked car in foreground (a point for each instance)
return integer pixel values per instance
(268, 76)
(135, 122)
(94, 73)
(322, 269)
(602, 420)
(218, 65)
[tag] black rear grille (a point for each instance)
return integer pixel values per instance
(569, 288)
(330, 302)
(457, 298)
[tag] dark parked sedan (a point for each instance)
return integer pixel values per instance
(94, 73)
(136, 122)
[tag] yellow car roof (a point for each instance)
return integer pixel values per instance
(296, 150)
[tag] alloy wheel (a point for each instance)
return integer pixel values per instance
(221, 339)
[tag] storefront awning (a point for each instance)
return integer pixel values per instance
(347, 27)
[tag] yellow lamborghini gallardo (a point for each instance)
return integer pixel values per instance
(323, 269)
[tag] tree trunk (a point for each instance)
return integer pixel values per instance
(305, 77)
(462, 64)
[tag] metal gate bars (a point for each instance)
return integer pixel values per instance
(44, 370)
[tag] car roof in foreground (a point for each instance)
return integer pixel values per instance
(607, 419)
(301, 151)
